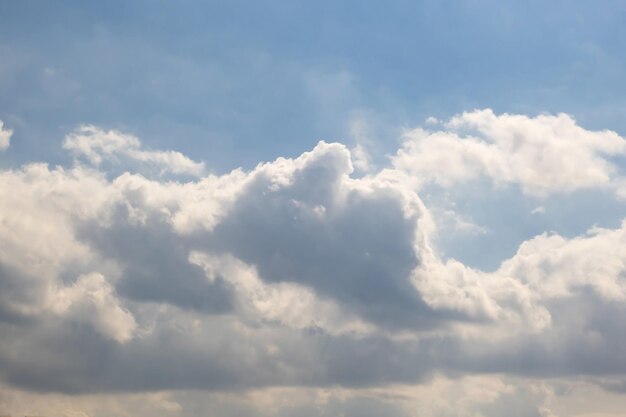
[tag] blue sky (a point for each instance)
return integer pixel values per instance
(318, 209)
(237, 82)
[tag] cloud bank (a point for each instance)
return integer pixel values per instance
(298, 275)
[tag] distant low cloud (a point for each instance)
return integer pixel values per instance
(5, 137)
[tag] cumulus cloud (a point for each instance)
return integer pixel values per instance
(545, 154)
(556, 267)
(5, 137)
(300, 274)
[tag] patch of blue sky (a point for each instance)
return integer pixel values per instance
(236, 82)
(494, 222)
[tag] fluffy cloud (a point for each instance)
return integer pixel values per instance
(556, 267)
(299, 274)
(5, 137)
(543, 155)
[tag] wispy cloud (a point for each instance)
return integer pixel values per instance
(97, 145)
(543, 155)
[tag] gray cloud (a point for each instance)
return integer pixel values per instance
(354, 246)
(154, 263)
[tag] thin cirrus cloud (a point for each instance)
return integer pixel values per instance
(300, 274)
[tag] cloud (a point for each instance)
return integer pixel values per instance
(556, 267)
(96, 145)
(544, 155)
(299, 274)
(5, 137)
(92, 300)
(294, 259)
(353, 241)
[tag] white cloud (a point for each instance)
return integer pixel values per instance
(97, 145)
(5, 137)
(543, 155)
(449, 221)
(40, 244)
(556, 267)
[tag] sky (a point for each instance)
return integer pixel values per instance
(313, 209)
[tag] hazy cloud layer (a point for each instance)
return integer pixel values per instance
(300, 274)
